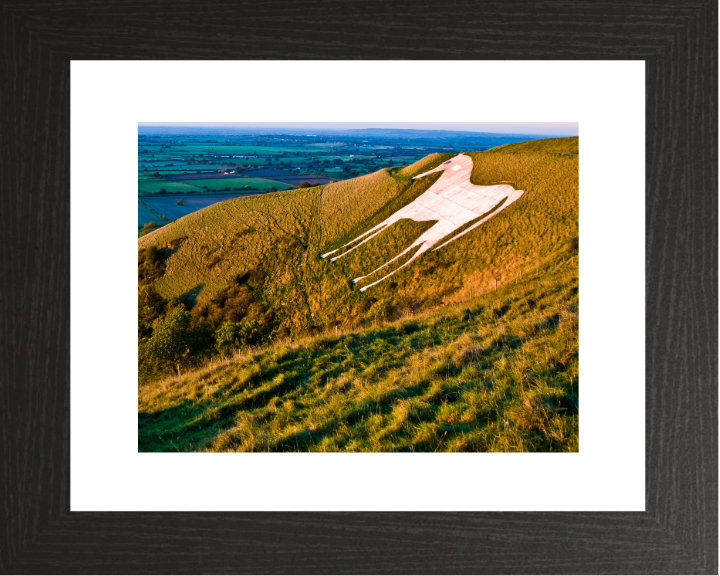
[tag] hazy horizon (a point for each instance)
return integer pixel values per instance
(523, 128)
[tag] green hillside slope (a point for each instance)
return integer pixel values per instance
(498, 372)
(269, 246)
(249, 340)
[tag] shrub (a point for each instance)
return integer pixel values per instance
(152, 255)
(175, 343)
(150, 307)
(382, 309)
(235, 335)
(151, 265)
(408, 327)
(149, 227)
(230, 304)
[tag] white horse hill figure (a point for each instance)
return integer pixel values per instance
(452, 201)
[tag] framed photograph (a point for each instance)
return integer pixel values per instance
(375, 262)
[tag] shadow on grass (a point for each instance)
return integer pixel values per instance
(189, 298)
(173, 429)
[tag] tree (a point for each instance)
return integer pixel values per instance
(150, 307)
(152, 255)
(236, 335)
(175, 344)
(149, 227)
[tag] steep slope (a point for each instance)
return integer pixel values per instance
(471, 347)
(270, 247)
(512, 244)
(455, 205)
(498, 372)
(267, 241)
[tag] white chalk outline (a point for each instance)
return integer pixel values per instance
(452, 202)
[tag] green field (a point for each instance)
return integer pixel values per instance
(221, 184)
(156, 163)
(205, 185)
(170, 186)
(290, 159)
(178, 172)
(250, 161)
(219, 149)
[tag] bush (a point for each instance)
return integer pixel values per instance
(149, 227)
(150, 307)
(151, 265)
(235, 335)
(152, 255)
(408, 327)
(175, 344)
(229, 305)
(382, 309)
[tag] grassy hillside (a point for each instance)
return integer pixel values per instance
(471, 347)
(275, 242)
(498, 372)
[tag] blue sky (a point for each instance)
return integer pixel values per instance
(539, 128)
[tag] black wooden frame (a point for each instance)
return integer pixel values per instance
(678, 531)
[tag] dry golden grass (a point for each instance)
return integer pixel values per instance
(496, 373)
(281, 236)
(515, 242)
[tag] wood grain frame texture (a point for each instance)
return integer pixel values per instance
(678, 533)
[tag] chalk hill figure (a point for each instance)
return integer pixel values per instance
(452, 201)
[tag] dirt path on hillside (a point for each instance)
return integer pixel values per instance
(303, 259)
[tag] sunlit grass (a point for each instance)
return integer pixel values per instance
(495, 373)
(471, 347)
(281, 237)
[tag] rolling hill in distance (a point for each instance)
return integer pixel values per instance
(469, 347)
(408, 133)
